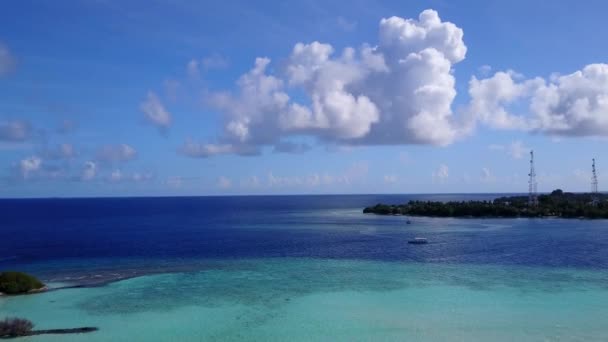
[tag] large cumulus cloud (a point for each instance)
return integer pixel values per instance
(398, 91)
(572, 105)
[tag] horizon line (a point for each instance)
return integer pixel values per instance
(282, 195)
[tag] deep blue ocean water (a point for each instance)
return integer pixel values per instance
(267, 264)
(42, 230)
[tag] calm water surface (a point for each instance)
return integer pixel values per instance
(302, 268)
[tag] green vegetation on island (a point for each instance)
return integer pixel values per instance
(15, 327)
(13, 283)
(19, 327)
(556, 204)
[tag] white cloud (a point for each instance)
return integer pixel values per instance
(335, 112)
(155, 112)
(575, 104)
(175, 181)
(398, 92)
(484, 70)
(355, 173)
(200, 150)
(568, 105)
(251, 182)
(224, 182)
(29, 165)
(441, 174)
(116, 153)
(390, 179)
(486, 175)
(312, 180)
(116, 176)
(140, 177)
(518, 150)
(15, 130)
(278, 181)
(192, 69)
(490, 96)
(7, 61)
(89, 171)
(214, 61)
(251, 116)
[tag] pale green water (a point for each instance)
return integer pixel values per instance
(334, 300)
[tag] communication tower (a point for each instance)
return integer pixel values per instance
(532, 196)
(593, 178)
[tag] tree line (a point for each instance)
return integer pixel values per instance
(555, 204)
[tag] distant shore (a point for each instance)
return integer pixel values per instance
(557, 204)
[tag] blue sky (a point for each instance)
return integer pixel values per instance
(148, 98)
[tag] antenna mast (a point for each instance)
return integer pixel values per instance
(532, 196)
(593, 178)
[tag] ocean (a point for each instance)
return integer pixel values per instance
(300, 268)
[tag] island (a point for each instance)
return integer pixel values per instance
(556, 204)
(20, 327)
(15, 283)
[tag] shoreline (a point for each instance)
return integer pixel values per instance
(558, 204)
(470, 217)
(45, 288)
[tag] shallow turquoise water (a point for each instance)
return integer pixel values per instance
(282, 299)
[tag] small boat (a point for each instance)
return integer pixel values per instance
(408, 221)
(418, 241)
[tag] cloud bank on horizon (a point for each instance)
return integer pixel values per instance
(399, 91)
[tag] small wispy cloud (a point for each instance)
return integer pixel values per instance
(484, 70)
(441, 174)
(115, 153)
(89, 171)
(29, 165)
(192, 69)
(390, 179)
(155, 112)
(487, 176)
(517, 149)
(15, 130)
(224, 182)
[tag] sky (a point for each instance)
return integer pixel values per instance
(181, 98)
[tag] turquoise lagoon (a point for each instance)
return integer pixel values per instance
(311, 299)
(300, 268)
